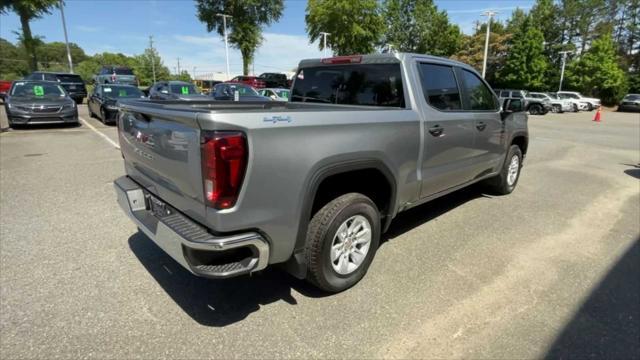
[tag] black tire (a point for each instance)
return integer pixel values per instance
(322, 230)
(79, 100)
(499, 185)
(589, 107)
(556, 108)
(535, 109)
(575, 108)
(103, 115)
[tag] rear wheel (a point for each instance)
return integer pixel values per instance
(589, 107)
(342, 240)
(575, 107)
(535, 109)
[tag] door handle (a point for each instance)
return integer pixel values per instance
(481, 126)
(436, 130)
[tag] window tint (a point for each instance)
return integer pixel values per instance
(361, 84)
(478, 94)
(504, 94)
(35, 76)
(440, 86)
(50, 77)
(123, 71)
(516, 94)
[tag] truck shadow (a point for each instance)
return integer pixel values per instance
(223, 302)
(607, 325)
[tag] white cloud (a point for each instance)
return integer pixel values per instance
(86, 28)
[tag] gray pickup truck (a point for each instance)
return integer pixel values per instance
(228, 188)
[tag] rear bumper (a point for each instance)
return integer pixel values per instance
(188, 243)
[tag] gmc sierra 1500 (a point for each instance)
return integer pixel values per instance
(227, 188)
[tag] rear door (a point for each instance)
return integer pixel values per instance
(489, 139)
(161, 149)
(449, 131)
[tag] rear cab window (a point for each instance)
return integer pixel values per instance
(350, 84)
(69, 78)
(122, 71)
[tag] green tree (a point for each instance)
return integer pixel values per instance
(28, 10)
(12, 63)
(144, 70)
(597, 72)
(245, 26)
(355, 26)
(183, 76)
(472, 49)
(418, 26)
(525, 64)
(53, 55)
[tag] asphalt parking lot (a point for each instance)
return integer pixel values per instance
(548, 271)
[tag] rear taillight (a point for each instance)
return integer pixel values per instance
(224, 161)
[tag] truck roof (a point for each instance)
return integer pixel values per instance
(385, 58)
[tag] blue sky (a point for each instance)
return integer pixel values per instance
(125, 25)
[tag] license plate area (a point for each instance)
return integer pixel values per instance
(158, 207)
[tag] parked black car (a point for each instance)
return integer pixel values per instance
(275, 80)
(175, 90)
(43, 102)
(226, 91)
(72, 83)
(102, 102)
(631, 102)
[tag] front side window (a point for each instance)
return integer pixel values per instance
(504, 94)
(357, 84)
(440, 87)
(479, 96)
(122, 71)
(115, 91)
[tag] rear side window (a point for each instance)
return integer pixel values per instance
(361, 84)
(123, 71)
(479, 96)
(69, 78)
(504, 94)
(440, 86)
(516, 94)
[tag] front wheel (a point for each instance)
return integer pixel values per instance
(556, 109)
(342, 240)
(575, 108)
(505, 182)
(589, 107)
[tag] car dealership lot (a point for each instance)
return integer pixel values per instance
(469, 275)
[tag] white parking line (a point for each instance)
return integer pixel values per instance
(99, 133)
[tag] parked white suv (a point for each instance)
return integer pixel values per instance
(557, 105)
(591, 103)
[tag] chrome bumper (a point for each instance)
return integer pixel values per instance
(190, 244)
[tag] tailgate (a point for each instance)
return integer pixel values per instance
(161, 150)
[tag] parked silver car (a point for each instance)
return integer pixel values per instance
(557, 105)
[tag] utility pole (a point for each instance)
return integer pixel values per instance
(324, 42)
(66, 39)
(178, 66)
(490, 14)
(564, 61)
(226, 43)
(153, 58)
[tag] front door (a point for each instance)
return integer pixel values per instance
(489, 128)
(449, 131)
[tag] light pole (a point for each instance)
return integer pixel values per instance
(564, 61)
(490, 14)
(226, 44)
(324, 42)
(153, 58)
(66, 39)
